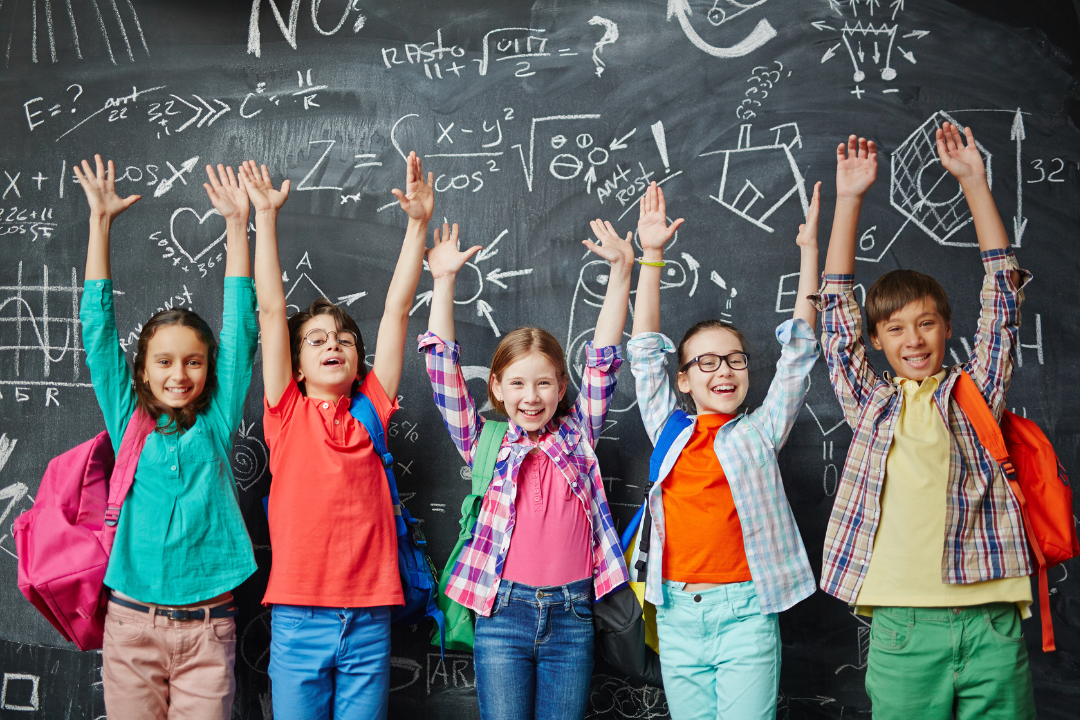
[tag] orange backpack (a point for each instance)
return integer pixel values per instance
(1037, 480)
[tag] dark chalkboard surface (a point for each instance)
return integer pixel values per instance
(534, 118)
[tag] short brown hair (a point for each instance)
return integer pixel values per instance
(700, 328)
(897, 288)
(184, 417)
(342, 320)
(516, 345)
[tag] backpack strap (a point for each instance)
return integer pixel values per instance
(139, 427)
(676, 423)
(363, 410)
(971, 401)
(487, 455)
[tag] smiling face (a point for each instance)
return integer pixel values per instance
(530, 389)
(722, 390)
(176, 365)
(913, 339)
(327, 370)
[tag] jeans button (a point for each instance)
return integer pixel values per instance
(539, 595)
(697, 598)
(956, 611)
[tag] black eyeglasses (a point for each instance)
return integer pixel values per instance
(710, 362)
(318, 336)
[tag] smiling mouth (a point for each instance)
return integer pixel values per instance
(917, 360)
(722, 389)
(333, 362)
(178, 391)
(530, 413)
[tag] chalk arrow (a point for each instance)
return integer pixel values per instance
(224, 109)
(877, 53)
(350, 299)
(861, 54)
(715, 277)
(13, 494)
(209, 109)
(917, 34)
(490, 251)
(761, 34)
(198, 113)
(1017, 133)
(590, 178)
(166, 185)
(482, 308)
(909, 56)
(497, 275)
(620, 144)
(693, 264)
(6, 448)
(284, 276)
(424, 298)
(830, 53)
(244, 430)
(820, 25)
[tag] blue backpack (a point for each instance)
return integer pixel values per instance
(417, 572)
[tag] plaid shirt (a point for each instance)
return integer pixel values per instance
(984, 535)
(746, 448)
(568, 441)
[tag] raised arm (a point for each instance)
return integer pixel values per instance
(230, 199)
(855, 173)
(418, 201)
(105, 205)
(653, 234)
(273, 322)
(444, 261)
(808, 265)
(620, 256)
(965, 163)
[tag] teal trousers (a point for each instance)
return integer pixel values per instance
(965, 663)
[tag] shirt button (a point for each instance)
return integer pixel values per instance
(172, 448)
(325, 405)
(337, 422)
(173, 468)
(573, 485)
(887, 423)
(100, 283)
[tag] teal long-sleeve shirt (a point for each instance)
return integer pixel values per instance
(181, 538)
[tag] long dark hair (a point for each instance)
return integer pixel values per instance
(343, 321)
(179, 418)
(687, 400)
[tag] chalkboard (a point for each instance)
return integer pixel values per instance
(535, 118)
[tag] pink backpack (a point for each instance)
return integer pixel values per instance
(63, 542)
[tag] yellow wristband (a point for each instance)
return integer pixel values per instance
(643, 261)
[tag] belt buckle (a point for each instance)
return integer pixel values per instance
(175, 614)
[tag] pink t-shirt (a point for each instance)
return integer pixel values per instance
(552, 537)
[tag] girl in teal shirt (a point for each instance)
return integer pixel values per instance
(181, 545)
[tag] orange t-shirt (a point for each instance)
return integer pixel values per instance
(332, 531)
(704, 542)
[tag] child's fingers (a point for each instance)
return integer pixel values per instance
(852, 147)
(840, 157)
(661, 204)
(863, 152)
(611, 229)
(110, 176)
(431, 179)
(99, 167)
(472, 251)
(232, 176)
(266, 175)
(871, 147)
(629, 238)
(131, 200)
(398, 194)
(970, 136)
(675, 225)
(454, 234)
(593, 247)
(285, 188)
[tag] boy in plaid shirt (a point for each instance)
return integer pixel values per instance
(925, 534)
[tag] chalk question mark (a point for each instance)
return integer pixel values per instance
(75, 85)
(611, 34)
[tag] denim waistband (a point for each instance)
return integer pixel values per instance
(546, 594)
(713, 596)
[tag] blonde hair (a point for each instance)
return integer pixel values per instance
(516, 345)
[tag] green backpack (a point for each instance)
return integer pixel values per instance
(459, 619)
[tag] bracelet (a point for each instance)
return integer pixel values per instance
(643, 261)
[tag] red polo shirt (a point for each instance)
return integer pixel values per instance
(332, 528)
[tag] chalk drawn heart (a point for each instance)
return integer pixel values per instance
(202, 219)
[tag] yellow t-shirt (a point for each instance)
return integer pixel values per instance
(905, 566)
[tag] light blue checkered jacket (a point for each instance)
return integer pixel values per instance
(746, 448)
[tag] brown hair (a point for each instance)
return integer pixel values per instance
(516, 345)
(179, 418)
(701, 327)
(895, 289)
(342, 320)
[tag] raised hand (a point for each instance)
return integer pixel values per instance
(260, 190)
(807, 236)
(444, 259)
(229, 197)
(653, 230)
(964, 162)
(418, 200)
(857, 169)
(100, 189)
(618, 252)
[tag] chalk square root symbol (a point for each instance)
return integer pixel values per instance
(913, 182)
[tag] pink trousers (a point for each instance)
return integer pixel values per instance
(154, 668)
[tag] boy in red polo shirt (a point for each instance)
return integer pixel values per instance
(334, 574)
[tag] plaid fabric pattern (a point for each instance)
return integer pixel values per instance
(568, 441)
(746, 448)
(984, 535)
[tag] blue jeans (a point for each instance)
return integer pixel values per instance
(720, 657)
(534, 654)
(329, 662)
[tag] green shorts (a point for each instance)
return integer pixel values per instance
(941, 663)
